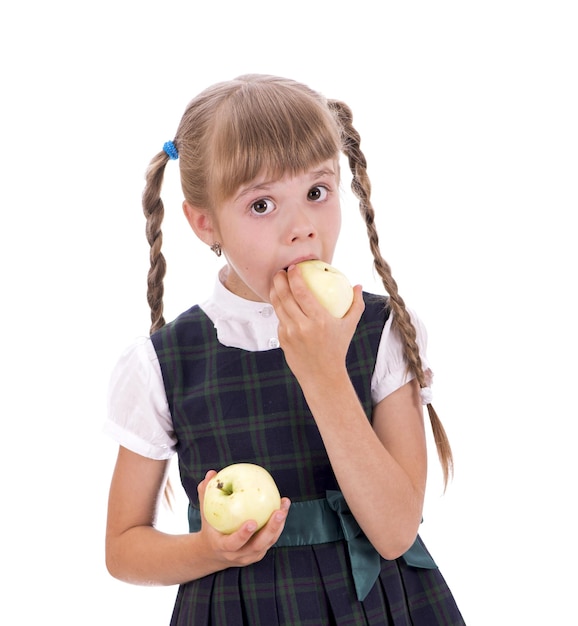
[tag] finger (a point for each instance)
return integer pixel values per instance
(272, 530)
(262, 539)
(202, 486)
(280, 515)
(241, 537)
(278, 288)
(282, 297)
(303, 297)
(358, 305)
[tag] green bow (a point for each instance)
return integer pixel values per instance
(330, 519)
(365, 560)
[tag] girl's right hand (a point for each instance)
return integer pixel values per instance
(246, 545)
(139, 553)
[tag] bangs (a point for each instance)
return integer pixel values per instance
(264, 130)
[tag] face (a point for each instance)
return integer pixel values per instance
(270, 224)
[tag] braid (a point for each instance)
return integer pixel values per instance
(361, 187)
(154, 211)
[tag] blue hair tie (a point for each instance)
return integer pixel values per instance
(171, 150)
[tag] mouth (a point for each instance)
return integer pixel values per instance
(310, 257)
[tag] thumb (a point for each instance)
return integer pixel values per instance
(358, 305)
(202, 486)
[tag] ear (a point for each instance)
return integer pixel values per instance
(201, 221)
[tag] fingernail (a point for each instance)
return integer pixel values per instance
(251, 527)
(280, 516)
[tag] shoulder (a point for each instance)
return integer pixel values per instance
(190, 316)
(391, 337)
(136, 369)
(182, 326)
(377, 310)
(391, 367)
(138, 416)
(136, 357)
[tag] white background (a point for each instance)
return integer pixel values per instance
(467, 112)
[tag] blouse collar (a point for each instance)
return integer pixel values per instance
(241, 323)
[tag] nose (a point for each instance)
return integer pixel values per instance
(301, 226)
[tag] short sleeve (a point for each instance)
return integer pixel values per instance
(391, 366)
(138, 413)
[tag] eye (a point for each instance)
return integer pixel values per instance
(263, 206)
(317, 194)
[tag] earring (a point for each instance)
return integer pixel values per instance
(216, 248)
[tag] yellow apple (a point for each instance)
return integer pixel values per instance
(329, 285)
(238, 493)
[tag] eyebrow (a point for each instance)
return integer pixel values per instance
(264, 185)
(321, 173)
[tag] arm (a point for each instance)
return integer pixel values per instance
(382, 475)
(382, 469)
(137, 552)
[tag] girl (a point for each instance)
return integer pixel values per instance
(262, 373)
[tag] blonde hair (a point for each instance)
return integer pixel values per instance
(261, 124)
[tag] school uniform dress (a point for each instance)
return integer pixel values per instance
(224, 404)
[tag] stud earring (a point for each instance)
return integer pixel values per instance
(216, 248)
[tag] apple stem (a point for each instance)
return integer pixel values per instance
(221, 486)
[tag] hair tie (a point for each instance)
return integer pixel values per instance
(171, 150)
(426, 395)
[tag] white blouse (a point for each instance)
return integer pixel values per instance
(138, 412)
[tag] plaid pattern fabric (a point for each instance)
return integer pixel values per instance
(230, 405)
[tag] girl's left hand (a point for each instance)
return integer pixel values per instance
(314, 342)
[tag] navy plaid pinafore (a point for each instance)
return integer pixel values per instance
(230, 405)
